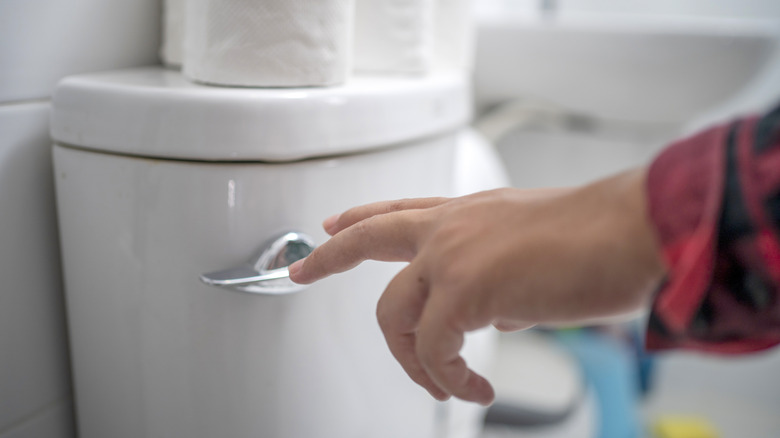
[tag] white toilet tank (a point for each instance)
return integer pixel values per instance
(160, 180)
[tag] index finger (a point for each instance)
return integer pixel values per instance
(388, 237)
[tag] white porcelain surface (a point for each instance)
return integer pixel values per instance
(44, 40)
(551, 382)
(660, 68)
(158, 112)
(581, 423)
(556, 158)
(695, 8)
(156, 353)
(33, 350)
(533, 372)
(477, 168)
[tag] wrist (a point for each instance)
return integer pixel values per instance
(628, 235)
(649, 246)
(646, 251)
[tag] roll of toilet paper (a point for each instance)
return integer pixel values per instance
(268, 43)
(394, 36)
(454, 36)
(171, 51)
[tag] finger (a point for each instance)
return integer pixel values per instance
(398, 313)
(439, 340)
(507, 326)
(386, 237)
(337, 223)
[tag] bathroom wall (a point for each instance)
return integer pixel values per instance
(711, 8)
(40, 42)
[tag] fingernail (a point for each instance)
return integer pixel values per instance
(295, 268)
(329, 224)
(486, 395)
(486, 401)
(441, 396)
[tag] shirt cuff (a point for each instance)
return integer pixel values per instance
(706, 301)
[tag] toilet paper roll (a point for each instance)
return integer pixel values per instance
(268, 43)
(455, 34)
(171, 51)
(394, 36)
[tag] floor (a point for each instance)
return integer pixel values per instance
(739, 397)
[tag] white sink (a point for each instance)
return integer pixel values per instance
(645, 68)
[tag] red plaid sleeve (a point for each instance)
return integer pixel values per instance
(714, 199)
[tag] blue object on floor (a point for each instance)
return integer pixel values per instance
(610, 369)
(645, 361)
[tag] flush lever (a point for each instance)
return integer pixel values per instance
(267, 274)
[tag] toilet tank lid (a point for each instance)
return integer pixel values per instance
(156, 112)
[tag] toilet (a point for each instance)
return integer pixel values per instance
(180, 206)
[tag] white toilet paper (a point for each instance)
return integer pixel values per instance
(268, 43)
(394, 36)
(455, 35)
(172, 48)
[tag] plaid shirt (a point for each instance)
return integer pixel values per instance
(715, 201)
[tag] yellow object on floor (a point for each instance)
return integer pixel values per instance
(684, 427)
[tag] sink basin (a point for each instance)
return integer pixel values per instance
(633, 67)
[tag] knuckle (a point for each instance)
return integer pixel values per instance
(362, 231)
(361, 228)
(426, 356)
(396, 205)
(412, 224)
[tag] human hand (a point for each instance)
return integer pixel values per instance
(512, 258)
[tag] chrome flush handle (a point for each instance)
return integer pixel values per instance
(267, 274)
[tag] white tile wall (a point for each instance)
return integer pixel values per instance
(33, 368)
(40, 42)
(43, 40)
